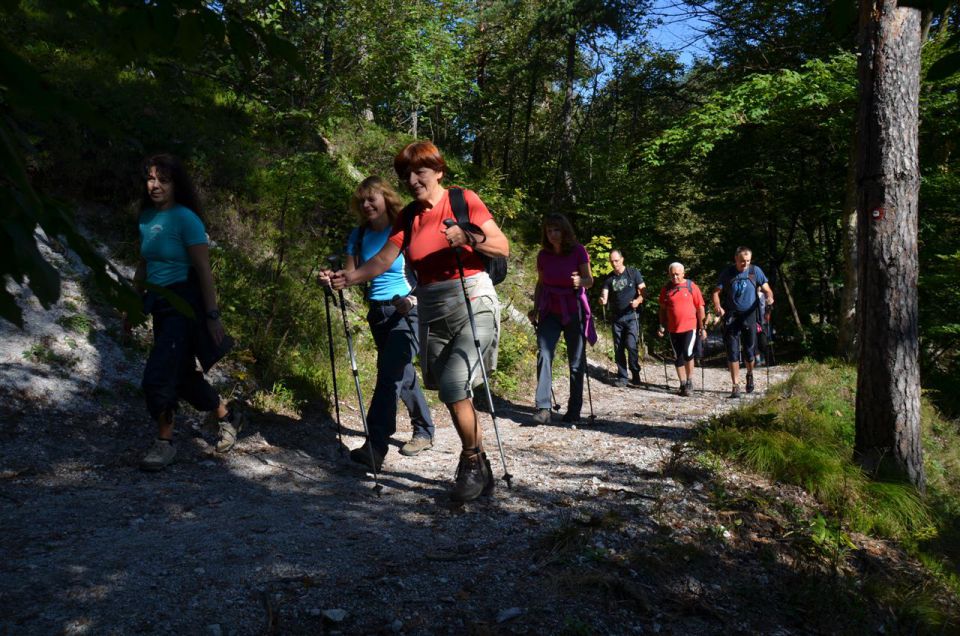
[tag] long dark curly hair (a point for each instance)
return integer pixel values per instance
(170, 167)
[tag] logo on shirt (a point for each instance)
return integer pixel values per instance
(620, 283)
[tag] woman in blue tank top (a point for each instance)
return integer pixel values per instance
(392, 316)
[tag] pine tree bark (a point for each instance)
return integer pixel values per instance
(888, 383)
(569, 198)
(847, 337)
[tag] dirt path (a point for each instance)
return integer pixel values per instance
(273, 536)
(609, 527)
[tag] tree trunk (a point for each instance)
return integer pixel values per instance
(793, 305)
(508, 136)
(888, 382)
(531, 95)
(847, 338)
(566, 137)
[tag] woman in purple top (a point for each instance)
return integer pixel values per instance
(559, 302)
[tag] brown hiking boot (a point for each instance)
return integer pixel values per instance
(416, 445)
(474, 478)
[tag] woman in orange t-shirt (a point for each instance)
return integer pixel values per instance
(449, 356)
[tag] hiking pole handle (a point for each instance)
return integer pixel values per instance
(449, 223)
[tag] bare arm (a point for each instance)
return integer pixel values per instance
(372, 268)
(583, 277)
(716, 302)
(765, 288)
(200, 259)
(491, 242)
(638, 299)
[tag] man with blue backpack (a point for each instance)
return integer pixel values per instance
(736, 299)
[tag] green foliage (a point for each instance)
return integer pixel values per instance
(516, 359)
(598, 247)
(802, 433)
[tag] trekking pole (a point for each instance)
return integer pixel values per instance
(701, 350)
(663, 358)
(586, 364)
(553, 394)
(327, 294)
(643, 353)
(377, 488)
(770, 359)
(483, 369)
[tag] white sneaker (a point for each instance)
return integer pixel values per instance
(160, 455)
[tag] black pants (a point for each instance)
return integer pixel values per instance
(739, 327)
(625, 334)
(171, 373)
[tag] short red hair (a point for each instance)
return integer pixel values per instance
(419, 154)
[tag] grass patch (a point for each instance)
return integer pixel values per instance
(76, 323)
(802, 433)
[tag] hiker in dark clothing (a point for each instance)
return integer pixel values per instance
(736, 299)
(625, 285)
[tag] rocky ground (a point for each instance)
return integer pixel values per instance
(615, 526)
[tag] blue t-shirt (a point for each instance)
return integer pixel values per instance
(738, 292)
(392, 282)
(165, 236)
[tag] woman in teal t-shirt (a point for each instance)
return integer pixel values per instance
(174, 256)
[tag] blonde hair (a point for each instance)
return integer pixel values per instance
(372, 185)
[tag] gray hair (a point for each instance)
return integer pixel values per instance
(675, 264)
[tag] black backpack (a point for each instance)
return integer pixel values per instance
(495, 266)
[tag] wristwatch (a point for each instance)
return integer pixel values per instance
(213, 314)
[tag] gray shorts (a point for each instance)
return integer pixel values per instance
(450, 354)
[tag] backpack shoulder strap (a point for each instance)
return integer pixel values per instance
(407, 213)
(459, 204)
(689, 285)
(358, 246)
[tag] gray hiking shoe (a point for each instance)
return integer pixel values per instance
(229, 428)
(542, 416)
(160, 455)
(735, 393)
(416, 445)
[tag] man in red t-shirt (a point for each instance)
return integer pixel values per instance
(682, 314)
